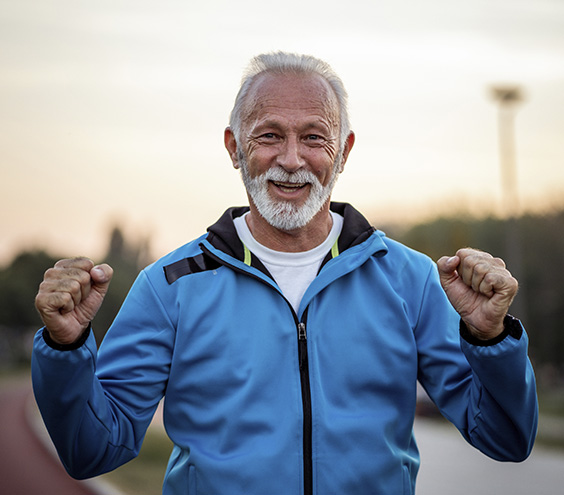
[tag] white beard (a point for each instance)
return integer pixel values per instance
(285, 215)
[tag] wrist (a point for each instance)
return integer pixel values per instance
(485, 336)
(511, 326)
(66, 347)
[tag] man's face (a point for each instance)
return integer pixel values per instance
(289, 151)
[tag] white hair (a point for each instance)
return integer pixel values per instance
(285, 215)
(288, 63)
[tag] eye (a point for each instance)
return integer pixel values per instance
(314, 139)
(268, 135)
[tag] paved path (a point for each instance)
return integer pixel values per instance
(449, 466)
(27, 467)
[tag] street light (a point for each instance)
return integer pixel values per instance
(508, 97)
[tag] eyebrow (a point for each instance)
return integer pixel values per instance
(275, 124)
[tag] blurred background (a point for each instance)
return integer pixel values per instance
(111, 136)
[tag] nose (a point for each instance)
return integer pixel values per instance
(290, 156)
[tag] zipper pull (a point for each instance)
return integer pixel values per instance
(302, 346)
(302, 334)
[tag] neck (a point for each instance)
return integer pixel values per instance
(294, 241)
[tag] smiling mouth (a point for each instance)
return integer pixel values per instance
(289, 187)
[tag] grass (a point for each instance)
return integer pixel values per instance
(551, 422)
(552, 402)
(144, 475)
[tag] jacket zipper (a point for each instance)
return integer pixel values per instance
(304, 378)
(307, 413)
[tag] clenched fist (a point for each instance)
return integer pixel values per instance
(480, 289)
(70, 295)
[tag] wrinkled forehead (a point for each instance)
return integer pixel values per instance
(294, 92)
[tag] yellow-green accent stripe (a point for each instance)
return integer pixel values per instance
(247, 259)
(335, 249)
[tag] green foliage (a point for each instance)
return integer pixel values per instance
(127, 259)
(533, 249)
(18, 285)
(532, 246)
(19, 282)
(144, 475)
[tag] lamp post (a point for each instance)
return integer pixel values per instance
(508, 97)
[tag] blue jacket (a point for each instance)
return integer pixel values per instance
(259, 400)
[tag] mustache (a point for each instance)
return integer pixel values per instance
(278, 174)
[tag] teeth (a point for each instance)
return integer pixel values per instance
(288, 187)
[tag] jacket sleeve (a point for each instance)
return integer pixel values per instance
(97, 407)
(487, 391)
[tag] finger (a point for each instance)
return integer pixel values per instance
(477, 274)
(102, 274)
(67, 276)
(60, 294)
(74, 280)
(473, 266)
(447, 266)
(53, 303)
(475, 256)
(467, 252)
(78, 262)
(67, 303)
(466, 272)
(504, 284)
(485, 284)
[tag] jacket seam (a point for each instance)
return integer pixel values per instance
(158, 298)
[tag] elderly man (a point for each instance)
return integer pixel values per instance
(287, 342)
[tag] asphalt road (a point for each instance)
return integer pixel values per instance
(449, 466)
(27, 465)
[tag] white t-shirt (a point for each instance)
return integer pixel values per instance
(293, 272)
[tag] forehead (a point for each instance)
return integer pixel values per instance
(292, 94)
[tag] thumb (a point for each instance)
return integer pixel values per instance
(447, 266)
(101, 276)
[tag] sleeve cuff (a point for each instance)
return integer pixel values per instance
(511, 326)
(67, 347)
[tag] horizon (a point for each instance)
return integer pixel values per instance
(115, 112)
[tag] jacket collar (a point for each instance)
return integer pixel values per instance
(223, 235)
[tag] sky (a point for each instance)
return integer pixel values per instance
(112, 112)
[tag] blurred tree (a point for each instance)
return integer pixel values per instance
(127, 258)
(541, 270)
(18, 285)
(20, 280)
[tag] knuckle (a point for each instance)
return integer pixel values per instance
(61, 299)
(72, 285)
(76, 262)
(39, 299)
(499, 262)
(62, 263)
(50, 273)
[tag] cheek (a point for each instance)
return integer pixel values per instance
(259, 160)
(323, 163)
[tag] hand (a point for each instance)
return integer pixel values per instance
(70, 295)
(480, 289)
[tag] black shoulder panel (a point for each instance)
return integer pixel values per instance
(187, 266)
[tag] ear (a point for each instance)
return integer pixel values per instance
(231, 146)
(349, 143)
